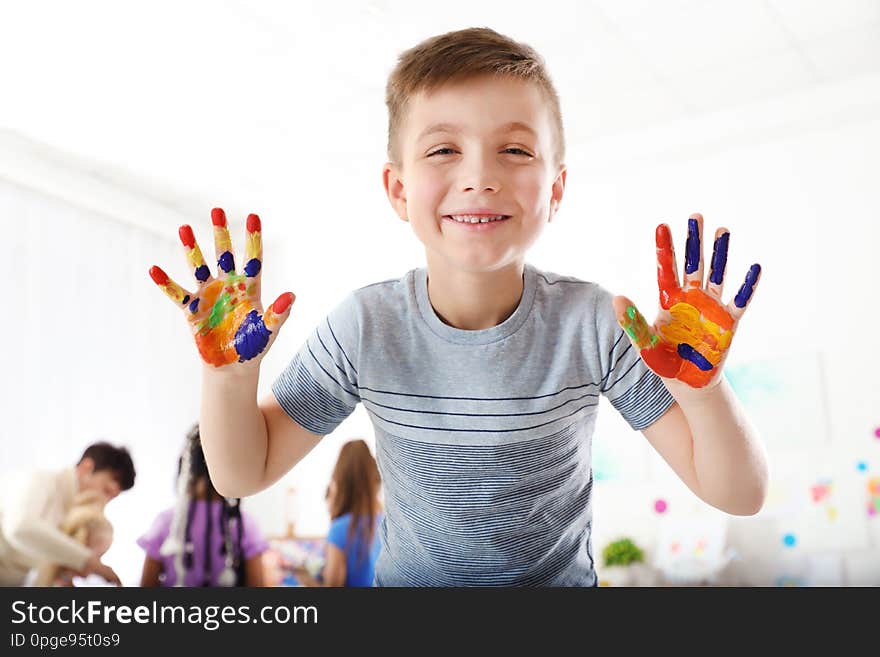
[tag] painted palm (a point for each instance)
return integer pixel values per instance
(691, 336)
(225, 313)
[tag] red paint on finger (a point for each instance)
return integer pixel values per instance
(665, 266)
(187, 237)
(218, 217)
(282, 303)
(253, 223)
(159, 277)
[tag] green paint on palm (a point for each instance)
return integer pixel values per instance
(222, 307)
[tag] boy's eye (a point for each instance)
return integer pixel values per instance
(518, 150)
(441, 151)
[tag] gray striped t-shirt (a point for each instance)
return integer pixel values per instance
(482, 437)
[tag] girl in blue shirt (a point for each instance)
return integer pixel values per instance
(355, 512)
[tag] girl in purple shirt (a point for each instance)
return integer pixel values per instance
(205, 537)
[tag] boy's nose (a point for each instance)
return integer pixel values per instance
(477, 175)
(480, 182)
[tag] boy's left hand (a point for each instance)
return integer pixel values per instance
(691, 336)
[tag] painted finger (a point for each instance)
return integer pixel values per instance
(176, 293)
(279, 311)
(634, 323)
(222, 242)
(693, 253)
(254, 255)
(667, 271)
(740, 302)
(659, 355)
(715, 284)
(194, 255)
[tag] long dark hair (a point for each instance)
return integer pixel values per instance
(230, 514)
(357, 482)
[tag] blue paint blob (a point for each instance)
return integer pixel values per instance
(194, 306)
(252, 337)
(692, 248)
(789, 540)
(226, 262)
(185, 300)
(689, 353)
(862, 466)
(745, 292)
(252, 268)
(719, 259)
(202, 273)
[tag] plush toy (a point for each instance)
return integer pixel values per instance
(86, 524)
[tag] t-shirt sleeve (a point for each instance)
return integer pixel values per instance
(338, 533)
(152, 540)
(253, 542)
(319, 388)
(632, 388)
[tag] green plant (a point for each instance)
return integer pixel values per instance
(622, 553)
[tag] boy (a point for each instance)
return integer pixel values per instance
(35, 505)
(480, 373)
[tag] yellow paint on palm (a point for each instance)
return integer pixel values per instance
(689, 327)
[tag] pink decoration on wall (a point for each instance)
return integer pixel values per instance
(660, 506)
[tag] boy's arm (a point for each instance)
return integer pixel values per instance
(248, 446)
(707, 440)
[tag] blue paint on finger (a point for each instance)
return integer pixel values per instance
(202, 273)
(194, 305)
(745, 292)
(689, 353)
(251, 337)
(226, 262)
(252, 268)
(185, 300)
(692, 248)
(719, 259)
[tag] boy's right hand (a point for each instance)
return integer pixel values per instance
(225, 313)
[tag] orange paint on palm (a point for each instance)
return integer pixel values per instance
(217, 346)
(708, 307)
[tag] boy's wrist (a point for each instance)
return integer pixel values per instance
(238, 373)
(687, 395)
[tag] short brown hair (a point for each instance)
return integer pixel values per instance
(456, 56)
(116, 459)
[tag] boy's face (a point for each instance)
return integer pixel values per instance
(481, 146)
(104, 482)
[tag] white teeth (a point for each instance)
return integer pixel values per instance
(474, 219)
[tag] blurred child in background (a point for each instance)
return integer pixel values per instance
(87, 525)
(355, 512)
(205, 540)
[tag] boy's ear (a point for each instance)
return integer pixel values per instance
(557, 192)
(393, 182)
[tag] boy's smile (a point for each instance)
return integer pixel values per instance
(477, 179)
